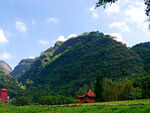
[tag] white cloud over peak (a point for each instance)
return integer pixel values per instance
(31, 57)
(120, 25)
(118, 37)
(5, 56)
(62, 38)
(3, 38)
(43, 42)
(94, 12)
(53, 20)
(72, 35)
(21, 26)
(113, 8)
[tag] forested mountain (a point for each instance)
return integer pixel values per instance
(73, 64)
(143, 49)
(21, 67)
(5, 67)
(8, 82)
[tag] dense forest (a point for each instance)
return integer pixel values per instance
(89, 61)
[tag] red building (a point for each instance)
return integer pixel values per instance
(3, 95)
(88, 97)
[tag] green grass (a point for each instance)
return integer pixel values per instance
(86, 108)
(144, 101)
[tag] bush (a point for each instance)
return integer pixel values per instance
(55, 100)
(20, 101)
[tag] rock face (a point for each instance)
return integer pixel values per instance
(5, 67)
(21, 68)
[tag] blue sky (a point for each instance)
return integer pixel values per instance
(28, 27)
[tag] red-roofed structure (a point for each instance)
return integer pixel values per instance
(88, 97)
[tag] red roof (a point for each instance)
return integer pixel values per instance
(90, 93)
(4, 89)
(80, 96)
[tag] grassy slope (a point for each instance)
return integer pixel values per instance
(89, 108)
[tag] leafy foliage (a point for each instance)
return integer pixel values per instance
(21, 101)
(55, 100)
(99, 87)
(120, 90)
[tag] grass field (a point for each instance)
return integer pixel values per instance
(134, 106)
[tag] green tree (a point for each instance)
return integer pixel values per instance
(99, 87)
(136, 93)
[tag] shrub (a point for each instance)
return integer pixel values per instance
(55, 100)
(20, 101)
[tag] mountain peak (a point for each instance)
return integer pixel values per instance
(5, 67)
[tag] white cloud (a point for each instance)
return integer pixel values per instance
(43, 42)
(113, 8)
(118, 37)
(94, 12)
(136, 14)
(31, 57)
(72, 36)
(120, 25)
(53, 20)
(21, 26)
(5, 56)
(3, 38)
(62, 38)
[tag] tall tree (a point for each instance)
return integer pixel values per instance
(99, 87)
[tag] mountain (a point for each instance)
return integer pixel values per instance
(5, 67)
(8, 82)
(74, 64)
(143, 50)
(21, 67)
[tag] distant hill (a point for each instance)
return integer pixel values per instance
(70, 65)
(8, 82)
(21, 67)
(143, 50)
(5, 67)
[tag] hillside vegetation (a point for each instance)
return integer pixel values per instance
(8, 82)
(71, 65)
(143, 50)
(21, 68)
